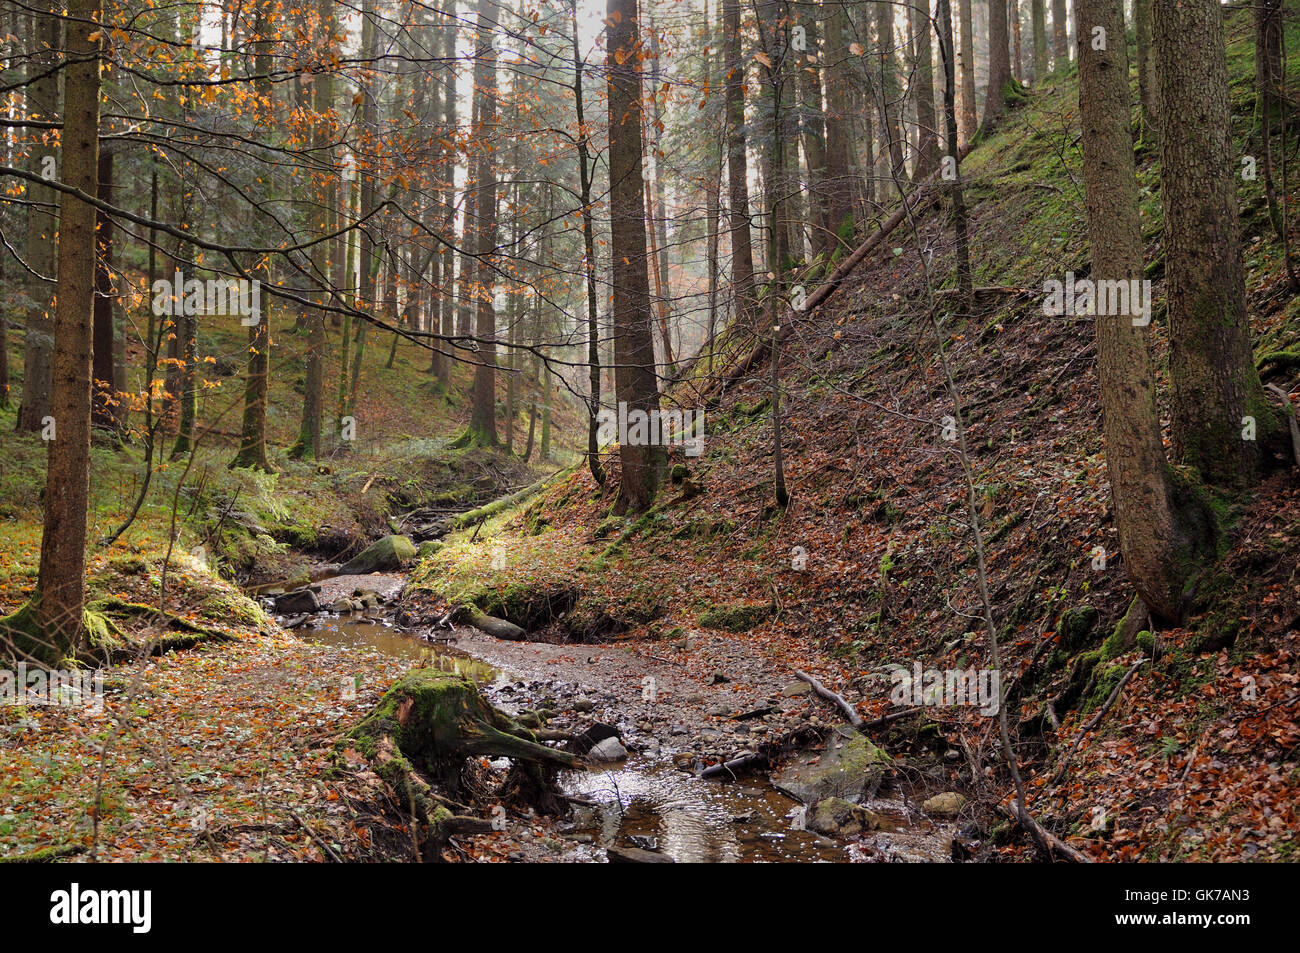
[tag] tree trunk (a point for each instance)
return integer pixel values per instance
(840, 179)
(742, 258)
(1156, 552)
(712, 202)
(483, 423)
(449, 301)
(1013, 21)
(1148, 97)
(637, 389)
(999, 63)
(887, 92)
(589, 257)
(38, 351)
(187, 353)
(966, 119)
(62, 581)
(1060, 39)
(368, 258)
(812, 131)
(313, 405)
(1268, 59)
(659, 230)
(927, 157)
(1038, 25)
(953, 158)
(1219, 413)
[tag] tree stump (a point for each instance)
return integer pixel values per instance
(421, 734)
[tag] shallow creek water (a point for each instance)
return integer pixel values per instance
(652, 804)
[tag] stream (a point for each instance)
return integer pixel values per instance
(648, 801)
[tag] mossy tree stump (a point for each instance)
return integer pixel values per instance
(423, 731)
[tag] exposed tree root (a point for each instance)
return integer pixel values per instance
(422, 732)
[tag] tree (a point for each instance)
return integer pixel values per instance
(966, 119)
(322, 89)
(588, 253)
(1148, 99)
(1156, 546)
(840, 178)
(742, 257)
(641, 461)
(953, 154)
(1060, 39)
(887, 92)
(657, 208)
(252, 430)
(42, 104)
(61, 583)
(447, 193)
(106, 403)
(999, 62)
(1038, 26)
(1219, 414)
(927, 157)
(812, 130)
(483, 424)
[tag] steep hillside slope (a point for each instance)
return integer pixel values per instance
(873, 564)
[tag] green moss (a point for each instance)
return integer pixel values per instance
(1076, 625)
(1105, 683)
(1282, 361)
(1117, 643)
(234, 607)
(736, 616)
(753, 409)
(21, 637)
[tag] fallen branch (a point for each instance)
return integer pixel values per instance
(1092, 722)
(890, 718)
(467, 519)
(320, 842)
(749, 762)
(471, 615)
(1044, 836)
(838, 700)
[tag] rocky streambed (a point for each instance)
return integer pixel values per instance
(668, 718)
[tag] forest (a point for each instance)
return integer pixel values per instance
(649, 431)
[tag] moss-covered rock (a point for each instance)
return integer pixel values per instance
(1076, 625)
(736, 616)
(384, 555)
(837, 817)
(851, 767)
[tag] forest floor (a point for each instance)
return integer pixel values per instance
(1196, 755)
